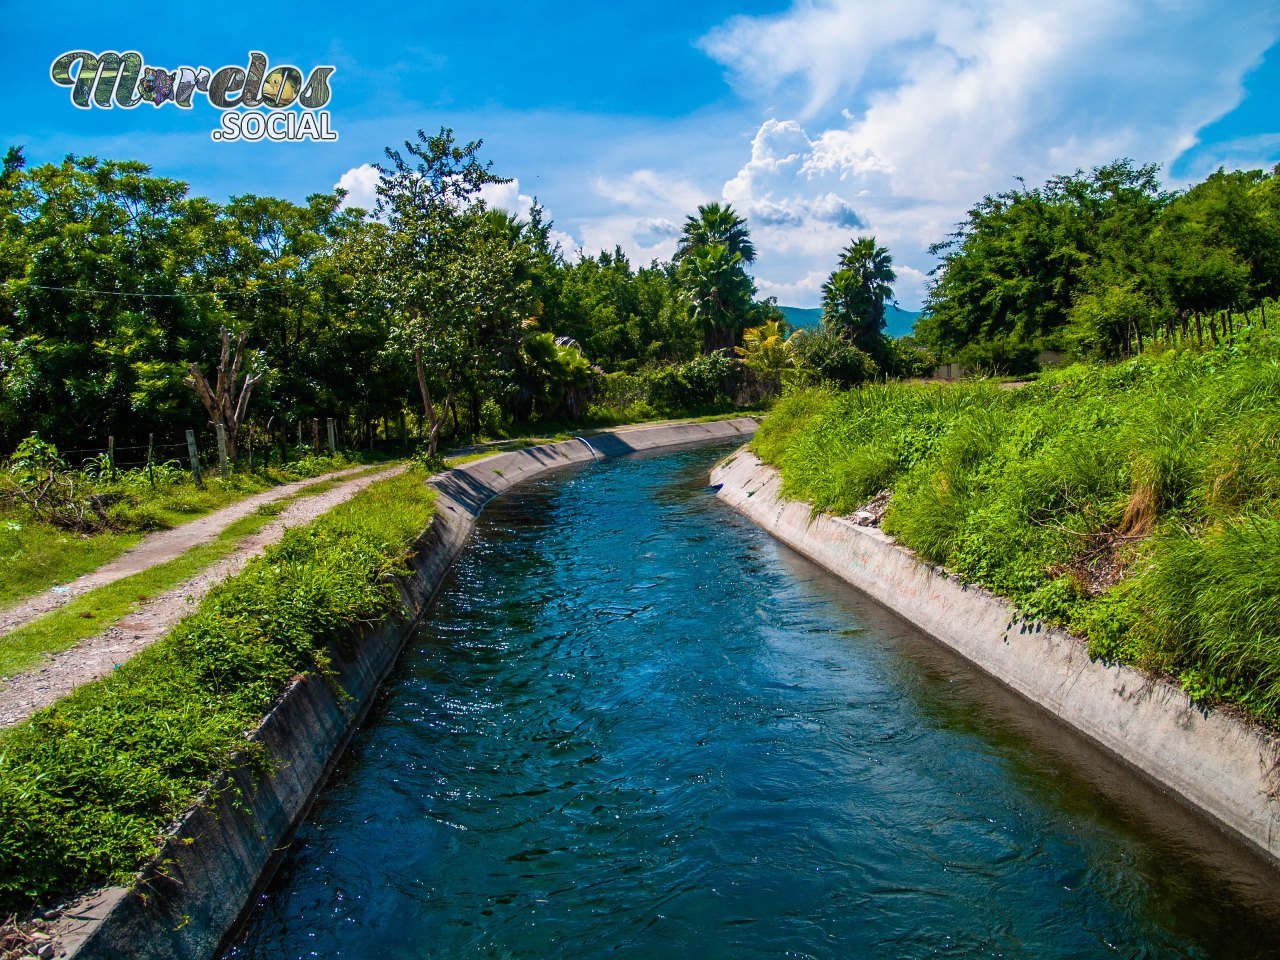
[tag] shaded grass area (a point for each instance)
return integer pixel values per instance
(88, 785)
(1136, 504)
(36, 556)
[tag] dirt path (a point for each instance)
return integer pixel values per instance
(97, 656)
(155, 549)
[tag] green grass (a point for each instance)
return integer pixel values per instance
(95, 611)
(89, 785)
(36, 556)
(1165, 469)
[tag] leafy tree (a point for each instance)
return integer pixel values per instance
(1013, 269)
(764, 348)
(429, 199)
(101, 296)
(719, 293)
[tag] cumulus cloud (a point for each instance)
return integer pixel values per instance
(895, 118)
(506, 196)
(361, 184)
(648, 210)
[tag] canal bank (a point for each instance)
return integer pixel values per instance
(1222, 766)
(224, 850)
(635, 725)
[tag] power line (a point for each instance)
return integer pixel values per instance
(125, 293)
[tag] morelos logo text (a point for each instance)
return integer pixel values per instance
(257, 100)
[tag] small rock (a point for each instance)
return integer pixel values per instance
(864, 519)
(45, 951)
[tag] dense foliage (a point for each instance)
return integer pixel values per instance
(433, 309)
(1102, 263)
(1138, 504)
(88, 785)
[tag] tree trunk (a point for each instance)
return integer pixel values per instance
(220, 401)
(428, 408)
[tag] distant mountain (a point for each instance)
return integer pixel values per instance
(898, 323)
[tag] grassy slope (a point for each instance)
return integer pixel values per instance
(88, 785)
(1137, 504)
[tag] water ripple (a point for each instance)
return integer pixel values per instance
(636, 727)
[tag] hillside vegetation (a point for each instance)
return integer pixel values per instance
(1137, 504)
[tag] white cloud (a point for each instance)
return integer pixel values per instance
(808, 289)
(361, 184)
(903, 115)
(652, 192)
(507, 196)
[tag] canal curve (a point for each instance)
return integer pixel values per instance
(635, 726)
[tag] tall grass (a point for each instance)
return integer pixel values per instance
(1136, 503)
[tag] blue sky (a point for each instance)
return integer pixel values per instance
(818, 120)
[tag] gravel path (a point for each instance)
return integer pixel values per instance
(157, 548)
(97, 656)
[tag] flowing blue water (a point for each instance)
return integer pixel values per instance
(635, 726)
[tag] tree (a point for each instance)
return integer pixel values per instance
(715, 224)
(1013, 269)
(764, 348)
(719, 293)
(854, 296)
(425, 278)
(227, 403)
(102, 293)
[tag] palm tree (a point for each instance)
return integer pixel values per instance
(854, 296)
(719, 293)
(765, 348)
(716, 224)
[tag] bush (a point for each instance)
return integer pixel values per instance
(825, 357)
(705, 384)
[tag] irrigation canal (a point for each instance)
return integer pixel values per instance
(635, 726)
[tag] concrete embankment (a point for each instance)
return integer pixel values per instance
(1224, 767)
(222, 853)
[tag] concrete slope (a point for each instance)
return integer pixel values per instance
(1222, 766)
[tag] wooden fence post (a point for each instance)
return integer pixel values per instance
(151, 443)
(223, 468)
(111, 456)
(195, 458)
(333, 438)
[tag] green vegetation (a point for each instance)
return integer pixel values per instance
(1101, 264)
(95, 611)
(37, 553)
(1137, 504)
(88, 785)
(129, 309)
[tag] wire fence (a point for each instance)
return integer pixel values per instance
(203, 452)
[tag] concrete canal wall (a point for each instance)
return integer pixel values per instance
(221, 855)
(1227, 768)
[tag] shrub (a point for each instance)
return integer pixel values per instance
(825, 357)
